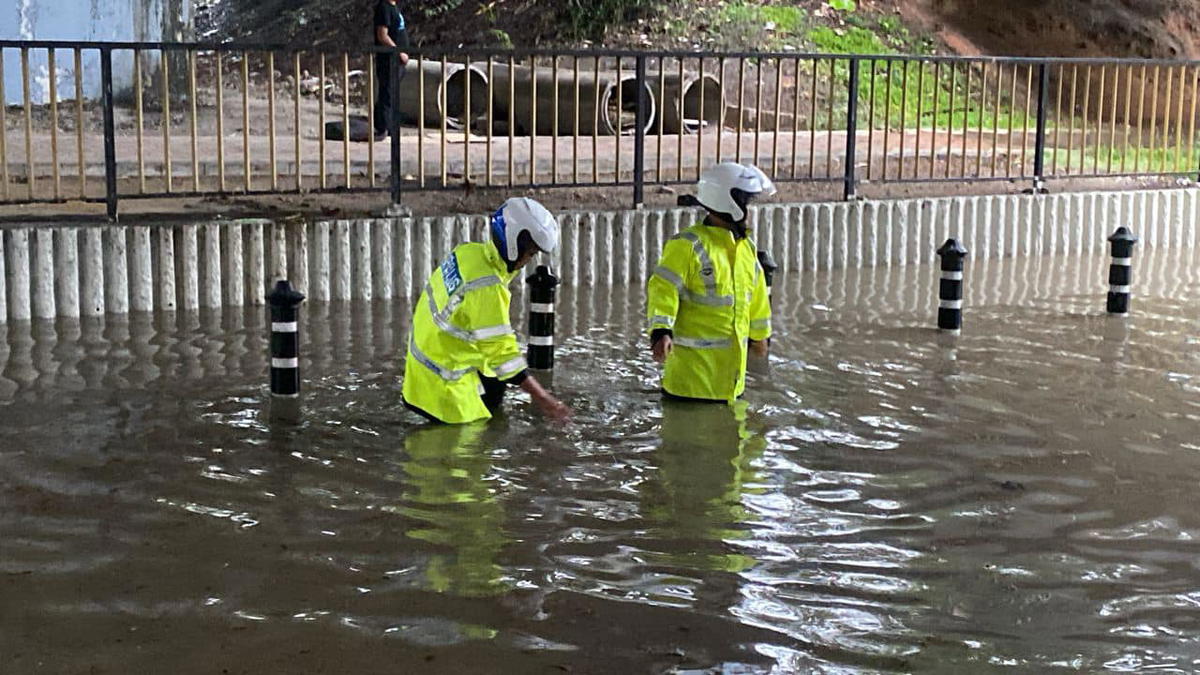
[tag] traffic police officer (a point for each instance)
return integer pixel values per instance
(463, 352)
(707, 299)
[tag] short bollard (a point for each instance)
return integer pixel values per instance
(541, 318)
(1120, 272)
(285, 340)
(950, 291)
(769, 267)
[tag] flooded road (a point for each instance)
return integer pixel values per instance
(887, 499)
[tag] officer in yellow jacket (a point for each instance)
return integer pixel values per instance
(707, 299)
(462, 353)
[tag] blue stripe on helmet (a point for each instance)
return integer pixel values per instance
(500, 231)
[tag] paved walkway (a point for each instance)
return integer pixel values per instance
(540, 160)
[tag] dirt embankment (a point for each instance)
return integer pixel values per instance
(1159, 29)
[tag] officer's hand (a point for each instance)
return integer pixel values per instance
(403, 59)
(759, 347)
(554, 408)
(662, 348)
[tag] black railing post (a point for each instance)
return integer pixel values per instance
(110, 138)
(851, 132)
(639, 134)
(1039, 158)
(395, 73)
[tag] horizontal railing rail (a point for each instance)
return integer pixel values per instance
(108, 121)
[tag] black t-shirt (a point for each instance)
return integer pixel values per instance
(388, 14)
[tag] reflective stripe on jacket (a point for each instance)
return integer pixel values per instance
(460, 328)
(709, 290)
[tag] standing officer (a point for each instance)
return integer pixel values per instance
(463, 353)
(707, 299)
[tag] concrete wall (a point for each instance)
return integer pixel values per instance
(90, 20)
(49, 271)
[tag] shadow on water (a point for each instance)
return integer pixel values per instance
(886, 498)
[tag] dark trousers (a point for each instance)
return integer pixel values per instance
(493, 393)
(383, 100)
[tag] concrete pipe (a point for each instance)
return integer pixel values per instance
(454, 84)
(600, 115)
(703, 103)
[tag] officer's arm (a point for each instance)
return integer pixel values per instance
(502, 354)
(665, 287)
(760, 309)
(496, 342)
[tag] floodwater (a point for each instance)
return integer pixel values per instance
(888, 499)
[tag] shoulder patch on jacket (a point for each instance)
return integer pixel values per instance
(451, 277)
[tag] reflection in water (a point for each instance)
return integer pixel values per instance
(694, 501)
(891, 499)
(450, 493)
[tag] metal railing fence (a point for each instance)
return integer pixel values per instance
(105, 122)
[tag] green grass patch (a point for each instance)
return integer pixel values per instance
(849, 40)
(1099, 159)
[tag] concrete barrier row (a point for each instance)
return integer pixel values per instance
(50, 271)
(119, 353)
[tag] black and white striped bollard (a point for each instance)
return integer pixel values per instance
(769, 267)
(541, 318)
(1120, 272)
(950, 290)
(285, 340)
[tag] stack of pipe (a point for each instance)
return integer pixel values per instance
(601, 111)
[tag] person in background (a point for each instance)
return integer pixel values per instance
(390, 31)
(463, 353)
(707, 299)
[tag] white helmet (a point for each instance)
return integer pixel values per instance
(522, 214)
(727, 188)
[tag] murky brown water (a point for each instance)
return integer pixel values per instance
(891, 499)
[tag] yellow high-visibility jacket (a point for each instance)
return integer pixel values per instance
(709, 290)
(460, 329)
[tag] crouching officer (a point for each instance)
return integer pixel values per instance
(707, 299)
(463, 353)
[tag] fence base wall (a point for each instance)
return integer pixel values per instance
(48, 271)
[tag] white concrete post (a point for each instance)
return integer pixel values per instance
(92, 269)
(1189, 218)
(852, 251)
(824, 233)
(887, 237)
(606, 245)
(381, 260)
(870, 233)
(188, 258)
(277, 268)
(255, 263)
(568, 269)
(320, 261)
(233, 259)
(43, 273)
(361, 238)
(210, 272)
(141, 278)
(116, 271)
(403, 238)
(592, 253)
(423, 261)
(164, 240)
(341, 261)
(17, 249)
(297, 246)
